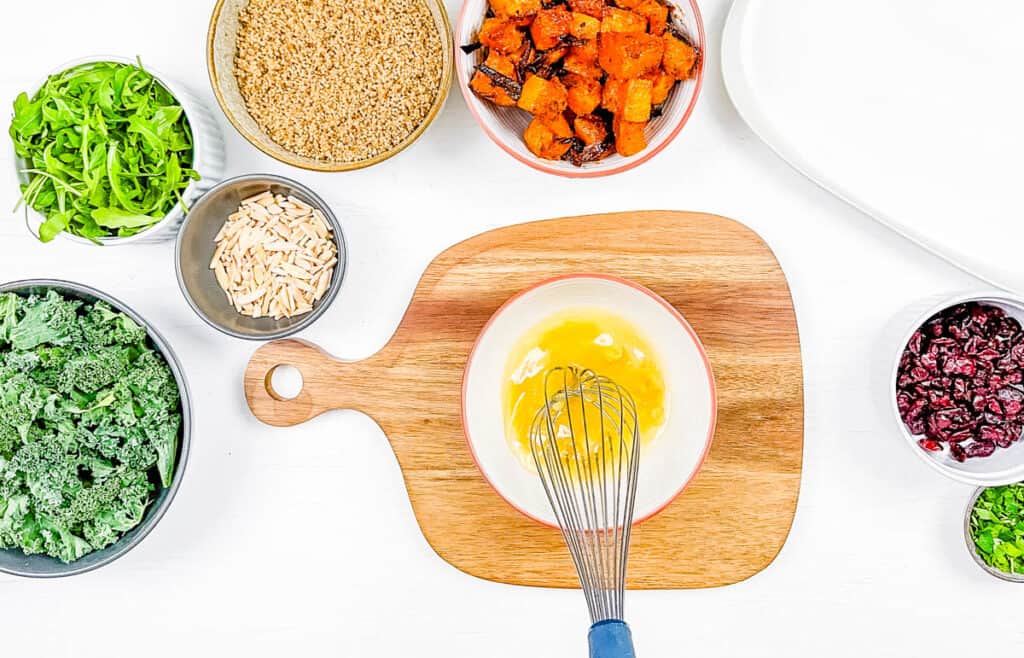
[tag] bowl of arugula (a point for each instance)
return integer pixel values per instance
(95, 428)
(109, 152)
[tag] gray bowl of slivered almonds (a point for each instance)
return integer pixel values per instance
(260, 257)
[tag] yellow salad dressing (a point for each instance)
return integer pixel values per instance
(588, 338)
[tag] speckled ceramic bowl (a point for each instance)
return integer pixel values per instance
(221, 38)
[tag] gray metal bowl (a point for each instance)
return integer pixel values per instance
(15, 562)
(194, 251)
(973, 550)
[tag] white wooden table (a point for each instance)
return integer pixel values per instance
(302, 542)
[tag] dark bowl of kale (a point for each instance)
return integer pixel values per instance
(95, 426)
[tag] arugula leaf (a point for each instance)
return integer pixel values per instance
(102, 138)
(116, 218)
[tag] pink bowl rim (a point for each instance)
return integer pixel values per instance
(712, 385)
(537, 163)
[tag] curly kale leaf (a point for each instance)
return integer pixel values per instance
(10, 304)
(21, 400)
(90, 372)
(52, 320)
(90, 418)
(102, 325)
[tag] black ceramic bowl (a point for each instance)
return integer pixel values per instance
(13, 561)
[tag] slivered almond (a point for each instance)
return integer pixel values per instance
(275, 256)
(266, 194)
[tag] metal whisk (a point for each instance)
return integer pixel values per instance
(586, 444)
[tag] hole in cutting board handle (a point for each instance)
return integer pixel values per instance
(284, 382)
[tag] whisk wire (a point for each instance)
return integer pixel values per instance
(588, 463)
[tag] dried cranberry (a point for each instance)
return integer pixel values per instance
(914, 346)
(959, 381)
(991, 433)
(980, 449)
(959, 365)
(903, 402)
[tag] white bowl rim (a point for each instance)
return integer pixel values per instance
(583, 172)
(712, 386)
(191, 115)
(996, 478)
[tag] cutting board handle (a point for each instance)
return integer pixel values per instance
(327, 383)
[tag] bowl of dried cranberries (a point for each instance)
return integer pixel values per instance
(958, 388)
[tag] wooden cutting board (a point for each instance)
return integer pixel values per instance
(731, 521)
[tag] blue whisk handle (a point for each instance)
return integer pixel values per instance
(611, 638)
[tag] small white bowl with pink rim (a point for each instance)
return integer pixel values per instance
(667, 464)
(505, 125)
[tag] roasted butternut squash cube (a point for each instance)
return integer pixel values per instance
(656, 15)
(629, 137)
(538, 137)
(613, 94)
(583, 60)
(543, 98)
(550, 26)
(680, 58)
(662, 86)
(516, 8)
(622, 20)
(558, 125)
(543, 142)
(593, 8)
(584, 26)
(636, 104)
(555, 55)
(533, 90)
(485, 87)
(590, 129)
(500, 35)
(557, 149)
(627, 55)
(627, 4)
(584, 93)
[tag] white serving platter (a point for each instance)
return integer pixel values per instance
(908, 110)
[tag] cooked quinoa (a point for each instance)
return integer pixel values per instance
(338, 80)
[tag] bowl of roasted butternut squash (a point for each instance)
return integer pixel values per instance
(581, 88)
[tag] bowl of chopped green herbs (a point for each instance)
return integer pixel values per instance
(994, 530)
(95, 427)
(110, 152)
